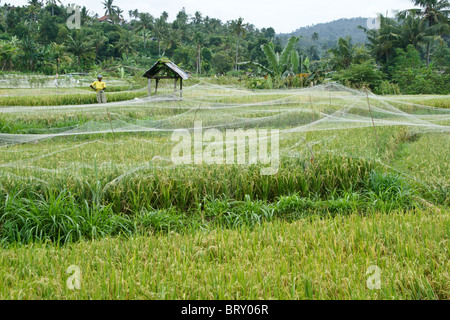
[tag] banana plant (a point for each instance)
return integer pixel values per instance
(280, 64)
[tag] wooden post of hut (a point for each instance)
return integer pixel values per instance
(149, 87)
(175, 88)
(165, 69)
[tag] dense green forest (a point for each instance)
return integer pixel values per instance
(408, 54)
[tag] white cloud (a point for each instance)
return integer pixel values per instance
(283, 15)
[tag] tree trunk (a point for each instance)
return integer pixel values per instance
(143, 31)
(237, 53)
(430, 24)
(200, 59)
(196, 69)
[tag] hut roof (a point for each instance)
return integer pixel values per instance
(166, 69)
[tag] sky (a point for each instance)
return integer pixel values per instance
(284, 16)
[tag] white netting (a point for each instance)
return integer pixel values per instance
(129, 136)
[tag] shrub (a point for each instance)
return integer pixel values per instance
(360, 75)
(388, 88)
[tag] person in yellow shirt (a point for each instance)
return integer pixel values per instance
(99, 86)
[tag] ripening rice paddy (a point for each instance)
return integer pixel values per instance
(357, 180)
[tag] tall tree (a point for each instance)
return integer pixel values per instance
(412, 30)
(58, 54)
(29, 52)
(98, 39)
(111, 10)
(239, 29)
(435, 13)
(160, 29)
(197, 19)
(52, 4)
(126, 43)
(345, 53)
(48, 29)
(383, 42)
(34, 7)
(198, 40)
(172, 40)
(79, 47)
(118, 16)
(145, 23)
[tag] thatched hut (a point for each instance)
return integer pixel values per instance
(166, 69)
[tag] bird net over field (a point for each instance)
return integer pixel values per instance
(131, 138)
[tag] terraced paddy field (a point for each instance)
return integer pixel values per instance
(154, 198)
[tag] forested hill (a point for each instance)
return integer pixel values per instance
(328, 33)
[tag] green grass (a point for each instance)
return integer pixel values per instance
(63, 217)
(312, 258)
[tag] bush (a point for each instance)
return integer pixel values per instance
(422, 81)
(222, 63)
(413, 77)
(257, 83)
(360, 75)
(387, 88)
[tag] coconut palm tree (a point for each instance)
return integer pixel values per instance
(239, 29)
(160, 30)
(58, 54)
(212, 25)
(145, 23)
(133, 14)
(383, 42)
(435, 14)
(345, 53)
(52, 4)
(118, 16)
(98, 39)
(126, 43)
(29, 51)
(199, 40)
(110, 8)
(197, 18)
(172, 40)
(34, 7)
(413, 30)
(77, 45)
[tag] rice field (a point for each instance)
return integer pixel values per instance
(97, 186)
(308, 259)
